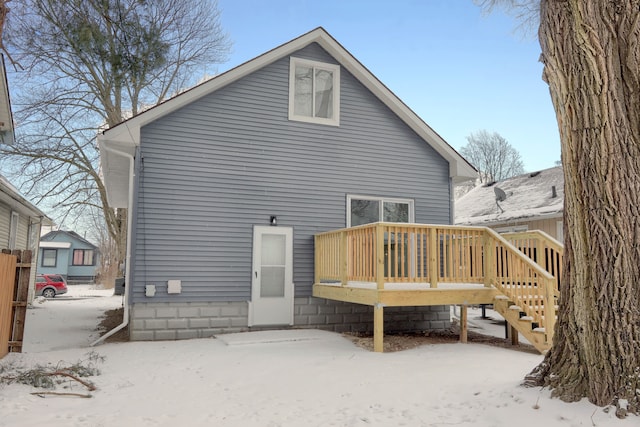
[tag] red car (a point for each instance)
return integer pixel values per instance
(50, 285)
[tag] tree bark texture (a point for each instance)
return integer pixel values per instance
(591, 53)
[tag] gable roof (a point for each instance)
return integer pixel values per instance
(11, 197)
(122, 139)
(72, 235)
(529, 196)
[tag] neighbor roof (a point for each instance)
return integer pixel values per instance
(10, 195)
(121, 140)
(72, 234)
(529, 196)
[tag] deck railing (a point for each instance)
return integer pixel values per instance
(417, 253)
(541, 248)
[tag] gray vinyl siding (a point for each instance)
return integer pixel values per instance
(213, 169)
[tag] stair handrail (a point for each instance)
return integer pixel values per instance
(547, 280)
(543, 241)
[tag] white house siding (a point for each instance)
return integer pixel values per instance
(213, 169)
(5, 221)
(22, 236)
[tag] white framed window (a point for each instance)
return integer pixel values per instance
(13, 230)
(368, 209)
(314, 92)
(49, 257)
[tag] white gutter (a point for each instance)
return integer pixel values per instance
(127, 274)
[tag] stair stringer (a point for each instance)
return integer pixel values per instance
(512, 314)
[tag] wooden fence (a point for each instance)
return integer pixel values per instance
(15, 269)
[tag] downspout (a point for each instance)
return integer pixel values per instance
(127, 273)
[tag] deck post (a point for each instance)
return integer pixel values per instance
(433, 257)
(489, 259)
(380, 256)
(316, 265)
(378, 328)
(514, 335)
(463, 323)
(344, 258)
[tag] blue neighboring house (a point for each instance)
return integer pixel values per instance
(68, 254)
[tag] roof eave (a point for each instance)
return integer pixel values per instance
(22, 205)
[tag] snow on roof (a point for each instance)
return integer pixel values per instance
(529, 196)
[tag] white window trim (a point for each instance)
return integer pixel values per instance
(13, 230)
(410, 202)
(335, 121)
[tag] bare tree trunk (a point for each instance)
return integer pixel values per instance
(591, 52)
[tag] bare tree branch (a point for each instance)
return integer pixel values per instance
(90, 64)
(493, 156)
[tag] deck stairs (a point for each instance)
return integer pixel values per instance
(515, 303)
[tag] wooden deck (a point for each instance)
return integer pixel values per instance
(392, 265)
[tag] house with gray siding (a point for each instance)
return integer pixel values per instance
(68, 254)
(20, 220)
(227, 184)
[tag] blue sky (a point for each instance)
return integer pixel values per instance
(460, 70)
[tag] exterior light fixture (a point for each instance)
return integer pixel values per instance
(273, 220)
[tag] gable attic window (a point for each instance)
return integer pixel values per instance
(314, 92)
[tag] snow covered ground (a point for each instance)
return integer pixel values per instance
(277, 378)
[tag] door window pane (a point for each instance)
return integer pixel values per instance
(273, 249)
(272, 281)
(273, 265)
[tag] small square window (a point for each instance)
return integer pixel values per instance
(314, 92)
(49, 257)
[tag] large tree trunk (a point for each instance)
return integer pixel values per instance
(591, 53)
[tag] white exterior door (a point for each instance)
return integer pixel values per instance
(272, 287)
